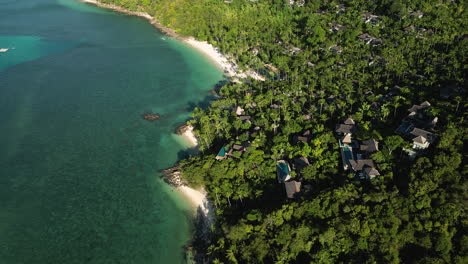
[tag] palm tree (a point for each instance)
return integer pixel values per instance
(458, 99)
(321, 102)
(397, 101)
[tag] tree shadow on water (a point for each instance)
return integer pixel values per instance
(206, 101)
(187, 153)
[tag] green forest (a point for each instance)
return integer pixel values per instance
(325, 61)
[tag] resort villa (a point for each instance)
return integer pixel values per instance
(236, 148)
(418, 127)
(355, 154)
(292, 185)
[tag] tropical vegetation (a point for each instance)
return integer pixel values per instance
(324, 61)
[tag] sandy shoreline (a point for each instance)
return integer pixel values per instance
(230, 68)
(189, 137)
(197, 199)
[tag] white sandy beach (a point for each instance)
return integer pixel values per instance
(230, 68)
(189, 137)
(197, 199)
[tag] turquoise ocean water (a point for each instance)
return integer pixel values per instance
(78, 166)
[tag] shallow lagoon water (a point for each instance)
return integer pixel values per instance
(78, 166)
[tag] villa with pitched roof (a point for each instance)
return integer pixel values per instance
(422, 138)
(226, 152)
(293, 188)
(418, 127)
(304, 137)
(353, 153)
(365, 168)
(369, 146)
(283, 172)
